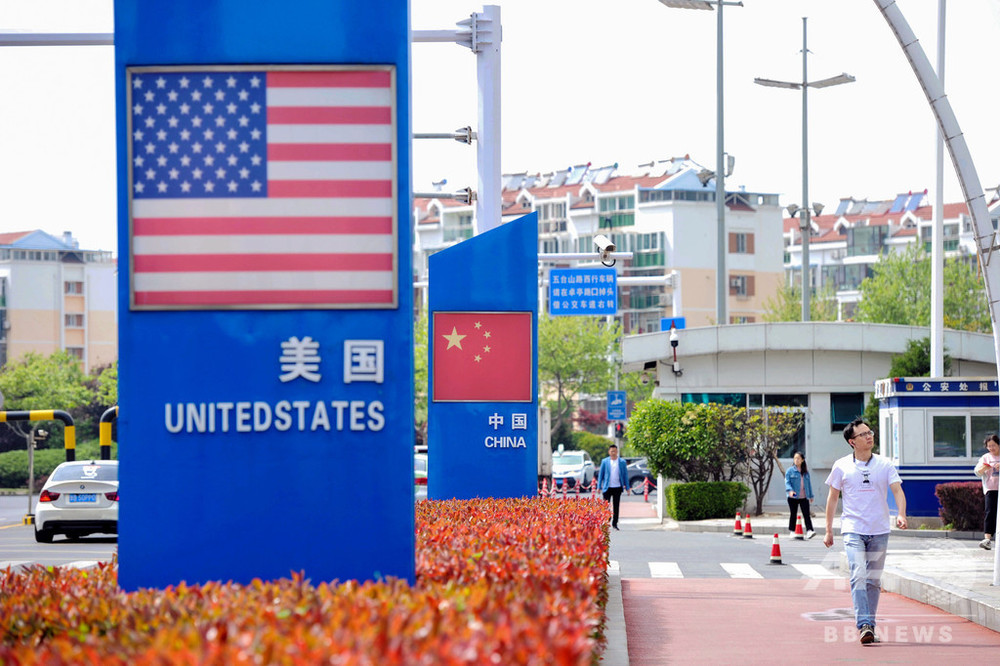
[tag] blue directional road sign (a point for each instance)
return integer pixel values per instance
(583, 291)
(666, 323)
(617, 406)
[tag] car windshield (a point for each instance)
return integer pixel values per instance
(568, 459)
(89, 472)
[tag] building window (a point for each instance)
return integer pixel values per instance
(741, 285)
(742, 319)
(844, 408)
(73, 287)
(73, 320)
(456, 228)
(741, 243)
(958, 436)
(75, 352)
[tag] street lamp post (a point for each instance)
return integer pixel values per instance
(722, 289)
(804, 86)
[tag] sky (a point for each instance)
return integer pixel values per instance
(604, 82)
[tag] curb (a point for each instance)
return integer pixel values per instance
(960, 602)
(616, 650)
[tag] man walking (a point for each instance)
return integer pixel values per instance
(864, 480)
(612, 478)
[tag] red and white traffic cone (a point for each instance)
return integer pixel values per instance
(645, 490)
(747, 528)
(593, 488)
(799, 535)
(775, 551)
(565, 483)
(738, 527)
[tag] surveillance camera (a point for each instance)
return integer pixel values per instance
(644, 378)
(674, 338)
(604, 244)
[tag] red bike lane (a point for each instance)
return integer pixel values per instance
(674, 621)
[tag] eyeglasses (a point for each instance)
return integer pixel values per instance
(866, 433)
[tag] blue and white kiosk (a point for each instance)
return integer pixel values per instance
(933, 429)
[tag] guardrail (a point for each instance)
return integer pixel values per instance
(69, 432)
(105, 431)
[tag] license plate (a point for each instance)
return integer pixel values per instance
(75, 498)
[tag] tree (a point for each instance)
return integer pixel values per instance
(765, 432)
(899, 292)
(786, 305)
(574, 358)
(914, 362)
(420, 377)
(43, 382)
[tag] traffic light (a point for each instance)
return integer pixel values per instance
(619, 430)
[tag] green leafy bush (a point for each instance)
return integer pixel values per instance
(701, 500)
(962, 505)
(595, 445)
(685, 441)
(14, 464)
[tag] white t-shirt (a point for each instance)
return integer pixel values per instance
(864, 488)
(613, 479)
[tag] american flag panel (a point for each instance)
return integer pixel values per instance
(263, 188)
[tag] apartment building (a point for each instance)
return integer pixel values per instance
(55, 296)
(844, 245)
(665, 214)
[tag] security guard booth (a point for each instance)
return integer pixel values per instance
(933, 429)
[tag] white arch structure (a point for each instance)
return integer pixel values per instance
(972, 189)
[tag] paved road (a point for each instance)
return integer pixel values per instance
(713, 598)
(18, 546)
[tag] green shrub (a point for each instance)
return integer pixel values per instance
(14, 464)
(962, 505)
(686, 441)
(705, 499)
(595, 445)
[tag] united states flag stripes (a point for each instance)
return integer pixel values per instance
(263, 188)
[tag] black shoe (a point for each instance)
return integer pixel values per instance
(616, 527)
(867, 634)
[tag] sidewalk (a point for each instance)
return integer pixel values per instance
(955, 577)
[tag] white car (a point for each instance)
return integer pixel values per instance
(572, 469)
(79, 498)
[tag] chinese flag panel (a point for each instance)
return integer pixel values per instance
(481, 357)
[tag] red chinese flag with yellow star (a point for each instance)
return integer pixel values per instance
(481, 357)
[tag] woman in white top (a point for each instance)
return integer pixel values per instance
(988, 469)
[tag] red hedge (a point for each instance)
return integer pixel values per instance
(498, 581)
(962, 505)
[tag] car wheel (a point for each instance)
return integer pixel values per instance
(637, 485)
(43, 536)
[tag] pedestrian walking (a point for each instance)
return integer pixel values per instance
(988, 469)
(798, 488)
(864, 479)
(611, 480)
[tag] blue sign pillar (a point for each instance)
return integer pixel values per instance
(265, 313)
(482, 426)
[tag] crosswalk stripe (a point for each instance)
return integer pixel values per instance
(816, 571)
(665, 570)
(14, 564)
(81, 564)
(740, 570)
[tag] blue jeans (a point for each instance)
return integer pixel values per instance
(866, 558)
